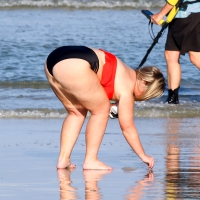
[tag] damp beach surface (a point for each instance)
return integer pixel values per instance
(29, 149)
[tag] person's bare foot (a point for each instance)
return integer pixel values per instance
(96, 164)
(63, 164)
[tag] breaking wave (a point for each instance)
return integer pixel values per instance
(142, 110)
(82, 4)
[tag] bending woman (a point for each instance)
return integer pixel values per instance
(86, 79)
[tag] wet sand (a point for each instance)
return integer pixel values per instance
(29, 149)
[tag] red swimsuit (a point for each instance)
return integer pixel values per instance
(108, 74)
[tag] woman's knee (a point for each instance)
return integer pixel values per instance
(102, 110)
(107, 108)
(172, 56)
(78, 111)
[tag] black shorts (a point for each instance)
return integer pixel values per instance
(184, 34)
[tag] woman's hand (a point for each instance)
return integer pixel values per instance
(157, 19)
(149, 160)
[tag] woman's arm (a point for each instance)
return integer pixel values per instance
(125, 114)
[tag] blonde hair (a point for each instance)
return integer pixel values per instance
(154, 82)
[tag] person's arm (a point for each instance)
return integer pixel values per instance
(156, 18)
(125, 115)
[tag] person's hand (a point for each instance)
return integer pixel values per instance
(157, 19)
(149, 160)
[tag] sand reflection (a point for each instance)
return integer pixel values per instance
(182, 160)
(172, 158)
(138, 191)
(66, 190)
(92, 177)
(92, 189)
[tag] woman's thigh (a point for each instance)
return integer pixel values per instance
(80, 85)
(69, 102)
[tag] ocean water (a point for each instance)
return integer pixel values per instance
(31, 29)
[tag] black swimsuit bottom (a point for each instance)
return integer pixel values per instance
(66, 52)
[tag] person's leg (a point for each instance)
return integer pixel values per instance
(94, 134)
(69, 134)
(173, 69)
(174, 75)
(71, 125)
(83, 88)
(195, 58)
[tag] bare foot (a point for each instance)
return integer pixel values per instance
(96, 164)
(63, 164)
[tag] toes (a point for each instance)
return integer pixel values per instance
(71, 166)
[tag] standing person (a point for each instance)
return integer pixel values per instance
(86, 79)
(183, 36)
